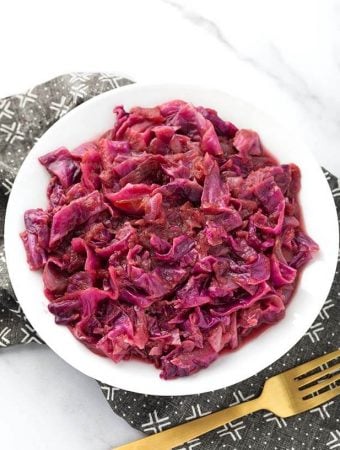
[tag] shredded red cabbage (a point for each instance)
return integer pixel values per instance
(169, 239)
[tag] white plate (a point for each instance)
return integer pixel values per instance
(90, 120)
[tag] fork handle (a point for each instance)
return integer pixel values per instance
(168, 439)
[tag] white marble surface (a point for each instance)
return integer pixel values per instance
(283, 55)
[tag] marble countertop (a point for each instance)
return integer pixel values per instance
(282, 55)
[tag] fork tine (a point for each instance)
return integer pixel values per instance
(313, 364)
(317, 387)
(321, 398)
(322, 373)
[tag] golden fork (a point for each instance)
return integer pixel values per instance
(284, 395)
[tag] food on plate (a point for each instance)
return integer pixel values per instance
(170, 238)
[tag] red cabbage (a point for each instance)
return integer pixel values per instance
(170, 238)
(63, 165)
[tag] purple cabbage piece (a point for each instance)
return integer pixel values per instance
(79, 281)
(127, 166)
(120, 243)
(281, 273)
(55, 194)
(131, 198)
(154, 283)
(37, 222)
(92, 262)
(79, 151)
(75, 214)
(248, 143)
(91, 167)
(36, 256)
(169, 109)
(124, 335)
(182, 189)
(63, 165)
(170, 238)
(306, 249)
(159, 244)
(192, 122)
(36, 237)
(147, 168)
(180, 364)
(55, 281)
(269, 194)
(181, 245)
(135, 298)
(66, 311)
(222, 127)
(215, 196)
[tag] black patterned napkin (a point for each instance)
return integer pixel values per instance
(23, 119)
